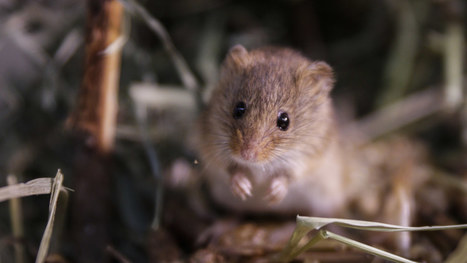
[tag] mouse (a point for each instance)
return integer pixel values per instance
(268, 141)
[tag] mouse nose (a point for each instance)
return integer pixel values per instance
(249, 154)
(246, 146)
(251, 150)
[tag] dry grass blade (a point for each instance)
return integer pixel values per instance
(291, 252)
(369, 249)
(319, 222)
(307, 224)
(45, 242)
(38, 186)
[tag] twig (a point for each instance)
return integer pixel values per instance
(140, 112)
(120, 41)
(117, 255)
(400, 114)
(44, 246)
(68, 47)
(159, 97)
(12, 29)
(209, 49)
(94, 125)
(402, 58)
(60, 216)
(97, 103)
(16, 219)
(188, 78)
(464, 123)
(453, 65)
(454, 97)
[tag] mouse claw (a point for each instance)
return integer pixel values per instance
(277, 190)
(241, 186)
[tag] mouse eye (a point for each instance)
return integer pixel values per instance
(283, 121)
(239, 110)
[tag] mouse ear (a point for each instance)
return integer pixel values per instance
(237, 58)
(317, 77)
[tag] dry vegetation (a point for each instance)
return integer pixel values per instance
(109, 95)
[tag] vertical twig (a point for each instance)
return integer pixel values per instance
(46, 237)
(93, 123)
(96, 109)
(68, 47)
(399, 114)
(464, 123)
(187, 77)
(16, 222)
(401, 61)
(209, 51)
(455, 96)
(453, 65)
(140, 112)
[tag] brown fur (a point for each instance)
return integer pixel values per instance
(269, 80)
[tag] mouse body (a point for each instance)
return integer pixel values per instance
(268, 140)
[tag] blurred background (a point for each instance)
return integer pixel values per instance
(383, 52)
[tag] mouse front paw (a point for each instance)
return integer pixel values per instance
(241, 186)
(277, 190)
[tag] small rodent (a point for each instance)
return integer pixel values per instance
(268, 141)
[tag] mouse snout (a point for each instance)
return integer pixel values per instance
(249, 153)
(248, 147)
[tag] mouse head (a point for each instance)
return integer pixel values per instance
(270, 105)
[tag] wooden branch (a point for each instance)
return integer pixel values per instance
(93, 125)
(96, 110)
